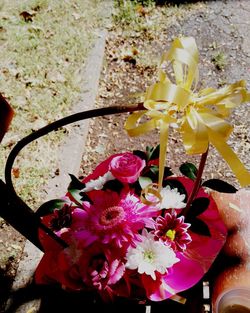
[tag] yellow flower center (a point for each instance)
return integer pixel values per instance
(170, 234)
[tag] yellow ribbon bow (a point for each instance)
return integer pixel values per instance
(199, 115)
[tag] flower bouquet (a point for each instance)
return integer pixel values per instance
(121, 244)
(132, 228)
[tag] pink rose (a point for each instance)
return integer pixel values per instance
(126, 167)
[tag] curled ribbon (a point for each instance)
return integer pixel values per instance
(199, 116)
(151, 191)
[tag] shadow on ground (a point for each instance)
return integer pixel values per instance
(5, 286)
(54, 299)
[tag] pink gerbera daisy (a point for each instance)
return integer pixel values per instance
(172, 230)
(112, 218)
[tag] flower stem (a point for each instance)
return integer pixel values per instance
(196, 184)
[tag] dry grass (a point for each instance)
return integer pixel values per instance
(44, 44)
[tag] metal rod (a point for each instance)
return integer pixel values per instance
(196, 184)
(16, 213)
(57, 124)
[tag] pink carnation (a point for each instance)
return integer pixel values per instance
(84, 269)
(101, 268)
(126, 167)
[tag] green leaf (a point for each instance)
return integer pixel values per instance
(219, 185)
(199, 227)
(114, 185)
(140, 154)
(85, 197)
(156, 153)
(167, 172)
(189, 170)
(74, 189)
(75, 183)
(154, 169)
(153, 172)
(153, 152)
(144, 181)
(149, 151)
(76, 195)
(49, 207)
(198, 206)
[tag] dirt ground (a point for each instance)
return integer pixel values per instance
(221, 30)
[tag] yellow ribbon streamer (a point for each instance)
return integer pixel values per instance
(199, 115)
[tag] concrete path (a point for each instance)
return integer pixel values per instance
(70, 159)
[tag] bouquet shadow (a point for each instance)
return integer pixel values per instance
(63, 301)
(53, 298)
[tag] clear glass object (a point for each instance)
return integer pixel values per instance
(234, 301)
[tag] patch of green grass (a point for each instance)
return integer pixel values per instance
(125, 13)
(219, 60)
(144, 19)
(43, 45)
(132, 12)
(145, 16)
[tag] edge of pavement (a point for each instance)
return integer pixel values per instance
(70, 156)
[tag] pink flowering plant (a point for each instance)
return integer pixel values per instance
(121, 244)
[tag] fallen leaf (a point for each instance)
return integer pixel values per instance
(27, 16)
(16, 172)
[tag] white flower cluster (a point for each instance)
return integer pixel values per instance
(172, 199)
(149, 256)
(97, 184)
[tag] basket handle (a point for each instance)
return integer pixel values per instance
(39, 133)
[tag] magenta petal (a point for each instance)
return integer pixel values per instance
(84, 238)
(181, 276)
(117, 274)
(79, 218)
(184, 274)
(155, 289)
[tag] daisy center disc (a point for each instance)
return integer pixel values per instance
(112, 216)
(149, 256)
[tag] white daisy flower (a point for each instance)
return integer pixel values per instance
(97, 184)
(172, 199)
(149, 256)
